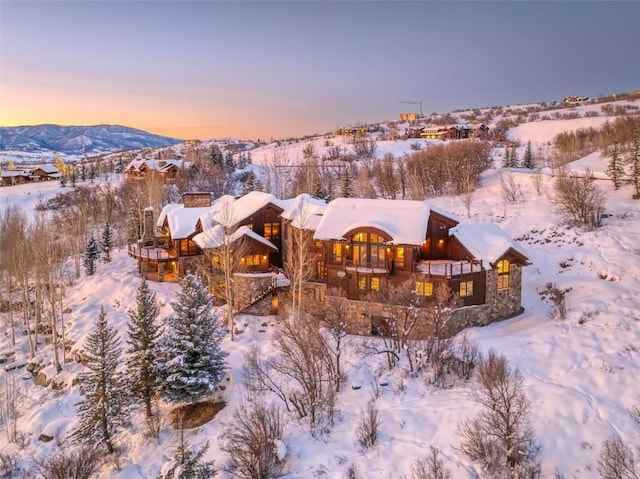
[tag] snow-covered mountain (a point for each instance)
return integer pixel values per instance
(79, 140)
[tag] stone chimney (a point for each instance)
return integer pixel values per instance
(149, 234)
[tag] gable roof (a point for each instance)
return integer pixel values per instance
(405, 221)
(245, 206)
(305, 212)
(487, 242)
(214, 237)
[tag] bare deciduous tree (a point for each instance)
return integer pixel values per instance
(302, 373)
(431, 468)
(616, 461)
(578, 201)
(367, 430)
(252, 442)
(501, 438)
(82, 462)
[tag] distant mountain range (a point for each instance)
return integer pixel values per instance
(79, 140)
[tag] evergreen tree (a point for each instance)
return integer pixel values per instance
(142, 363)
(106, 242)
(347, 182)
(513, 158)
(527, 160)
(228, 161)
(188, 463)
(614, 169)
(193, 361)
(92, 172)
(507, 158)
(216, 156)
(102, 411)
(83, 171)
(91, 255)
(634, 163)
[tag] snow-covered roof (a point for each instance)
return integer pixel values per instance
(49, 169)
(10, 173)
(158, 165)
(304, 211)
(215, 237)
(486, 241)
(182, 221)
(405, 221)
(245, 206)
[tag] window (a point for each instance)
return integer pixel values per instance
(319, 295)
(399, 260)
(466, 288)
(424, 288)
(252, 260)
(368, 249)
(336, 253)
(271, 231)
(321, 270)
(375, 284)
(503, 274)
(362, 283)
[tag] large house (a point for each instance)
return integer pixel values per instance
(167, 169)
(357, 250)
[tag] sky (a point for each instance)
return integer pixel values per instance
(262, 70)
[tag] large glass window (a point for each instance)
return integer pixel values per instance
(336, 253)
(368, 249)
(272, 231)
(503, 274)
(399, 259)
(321, 270)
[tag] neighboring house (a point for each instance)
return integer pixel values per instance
(357, 251)
(167, 169)
(27, 174)
(409, 116)
(368, 246)
(15, 177)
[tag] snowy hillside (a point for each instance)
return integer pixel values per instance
(581, 373)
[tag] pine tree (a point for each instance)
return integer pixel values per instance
(614, 170)
(249, 183)
(347, 182)
(102, 411)
(527, 160)
(106, 242)
(193, 361)
(634, 163)
(91, 255)
(216, 156)
(513, 159)
(507, 158)
(142, 359)
(228, 161)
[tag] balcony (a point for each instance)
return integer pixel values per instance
(448, 268)
(151, 254)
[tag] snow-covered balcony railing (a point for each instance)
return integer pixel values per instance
(368, 267)
(448, 268)
(148, 253)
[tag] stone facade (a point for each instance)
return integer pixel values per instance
(250, 286)
(361, 316)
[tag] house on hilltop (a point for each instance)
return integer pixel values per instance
(357, 252)
(168, 169)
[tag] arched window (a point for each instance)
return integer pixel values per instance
(503, 274)
(368, 249)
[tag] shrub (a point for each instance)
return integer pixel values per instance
(79, 463)
(367, 431)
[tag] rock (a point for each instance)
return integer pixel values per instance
(31, 367)
(355, 387)
(264, 325)
(41, 380)
(57, 385)
(44, 438)
(67, 311)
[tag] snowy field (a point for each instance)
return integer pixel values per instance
(581, 374)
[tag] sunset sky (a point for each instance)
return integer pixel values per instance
(252, 70)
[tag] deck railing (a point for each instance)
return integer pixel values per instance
(151, 253)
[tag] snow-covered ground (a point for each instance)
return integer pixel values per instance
(581, 374)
